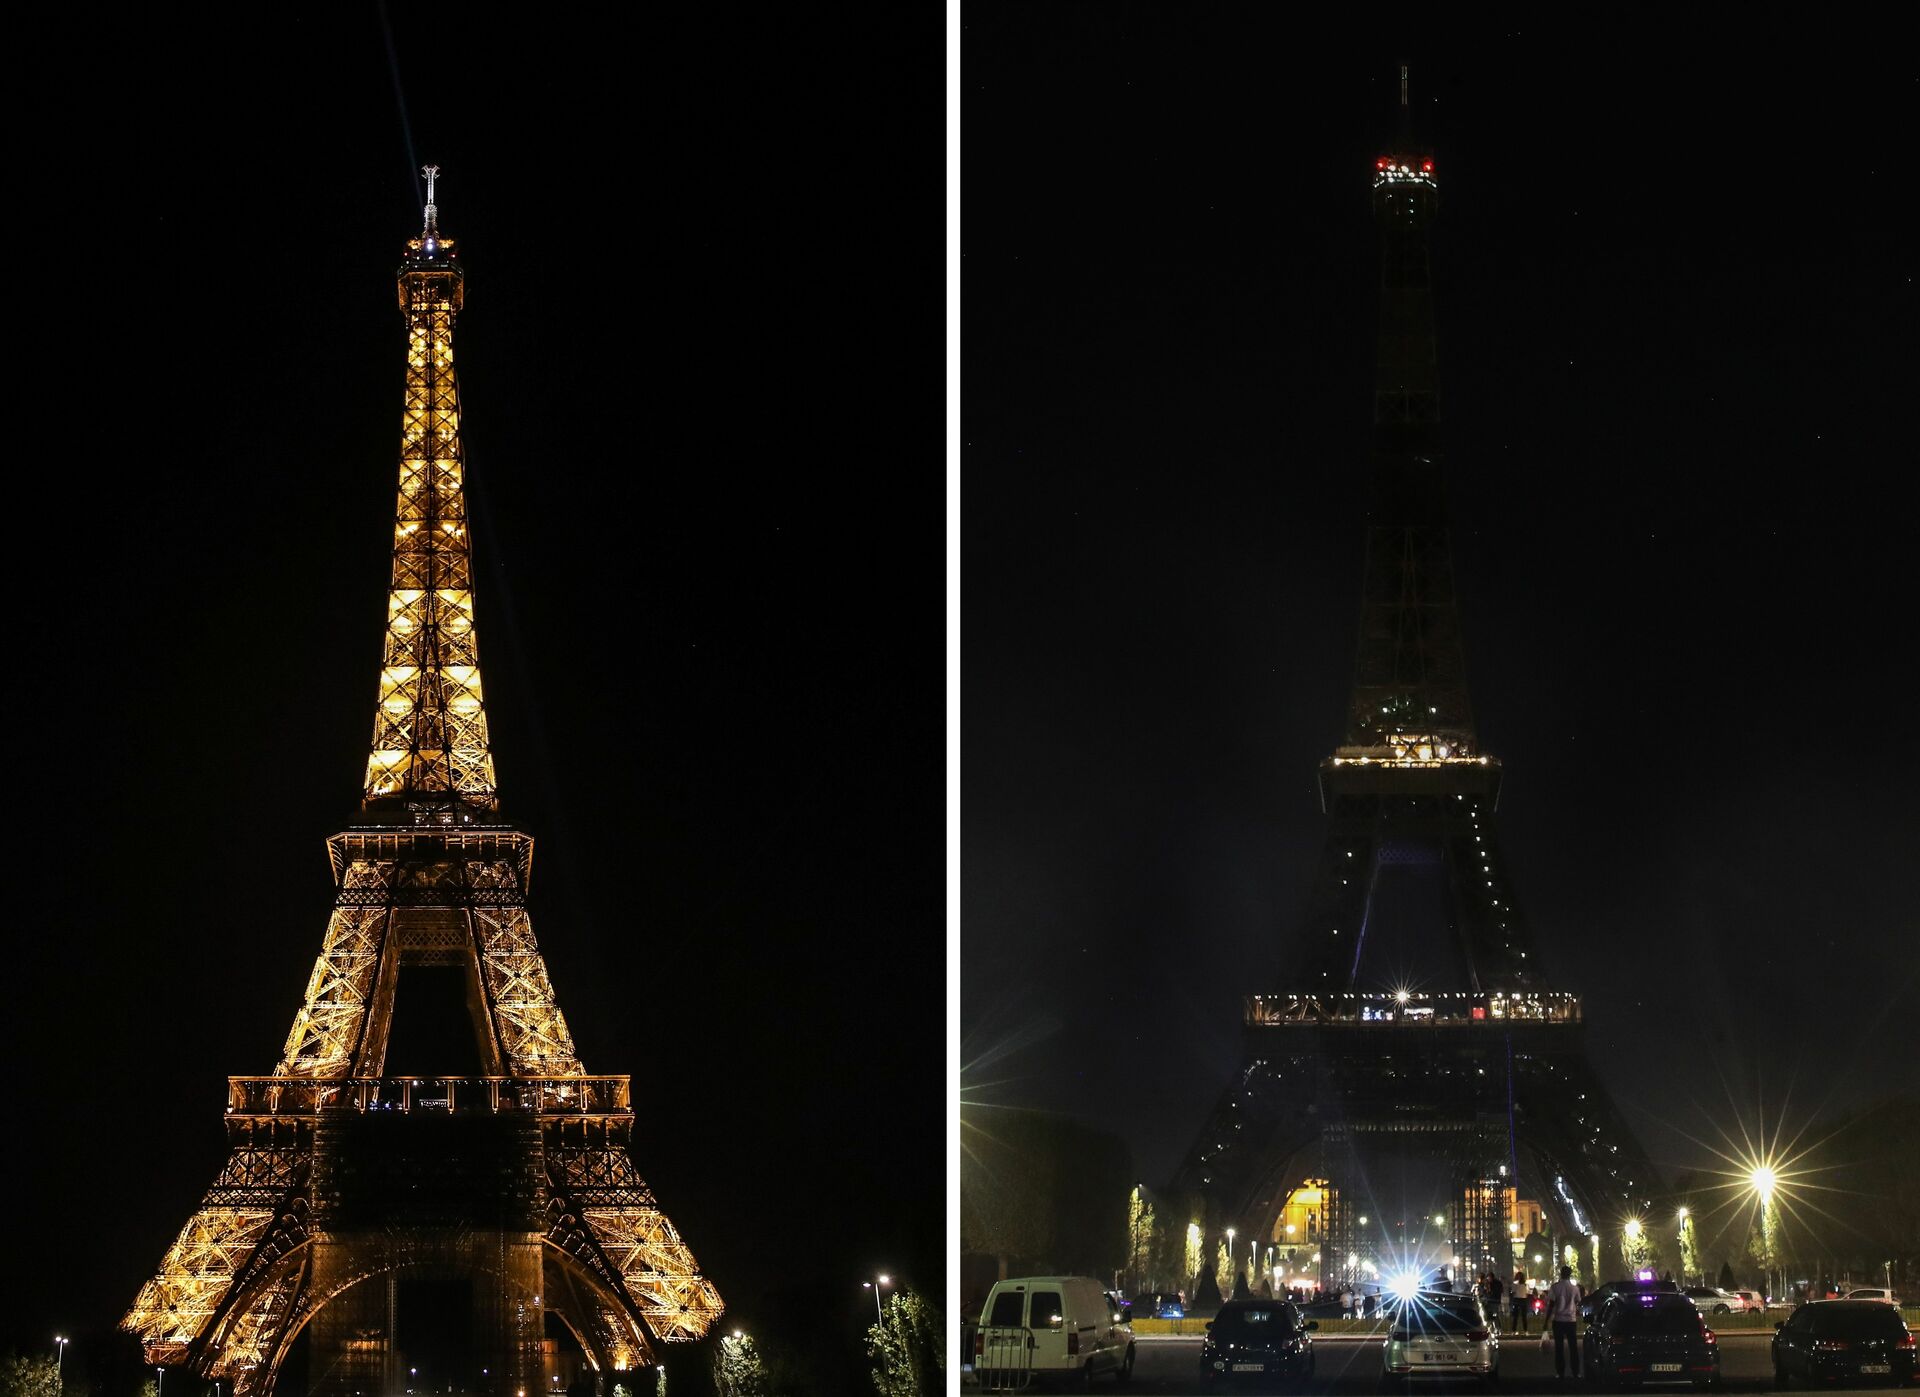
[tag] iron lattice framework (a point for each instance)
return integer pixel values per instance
(339, 1177)
(1487, 1081)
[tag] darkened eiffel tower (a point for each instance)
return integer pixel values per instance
(1412, 1034)
(512, 1189)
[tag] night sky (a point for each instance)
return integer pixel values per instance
(1675, 300)
(701, 377)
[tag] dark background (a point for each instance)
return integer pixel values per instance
(700, 367)
(1675, 305)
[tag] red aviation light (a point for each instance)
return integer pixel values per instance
(1428, 167)
(1380, 164)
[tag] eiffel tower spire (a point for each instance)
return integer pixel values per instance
(342, 1175)
(430, 749)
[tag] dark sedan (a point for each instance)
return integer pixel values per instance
(1651, 1338)
(1256, 1341)
(1831, 1339)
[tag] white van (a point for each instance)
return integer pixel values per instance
(1050, 1330)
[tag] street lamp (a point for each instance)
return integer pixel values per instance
(60, 1362)
(873, 1285)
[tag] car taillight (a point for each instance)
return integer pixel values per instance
(979, 1344)
(1904, 1341)
(1707, 1334)
(1477, 1336)
(1073, 1344)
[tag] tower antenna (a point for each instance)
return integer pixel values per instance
(1406, 114)
(432, 172)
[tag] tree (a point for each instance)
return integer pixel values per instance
(737, 1369)
(1690, 1263)
(1044, 1192)
(1139, 1237)
(29, 1377)
(907, 1347)
(1726, 1275)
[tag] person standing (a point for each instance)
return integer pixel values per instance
(1518, 1298)
(1563, 1313)
(1492, 1298)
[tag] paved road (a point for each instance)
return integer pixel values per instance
(1171, 1366)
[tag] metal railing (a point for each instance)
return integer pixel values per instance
(542, 1096)
(1461, 1010)
(1003, 1358)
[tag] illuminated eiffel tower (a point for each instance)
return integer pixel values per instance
(515, 1186)
(1412, 1034)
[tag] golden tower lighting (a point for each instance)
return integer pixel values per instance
(340, 1178)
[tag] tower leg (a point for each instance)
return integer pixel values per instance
(350, 1343)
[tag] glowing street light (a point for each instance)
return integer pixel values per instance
(1762, 1178)
(873, 1285)
(61, 1360)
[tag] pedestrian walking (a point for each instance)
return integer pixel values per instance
(1563, 1313)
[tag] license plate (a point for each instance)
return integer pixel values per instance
(1876, 1367)
(1666, 1367)
(1439, 1358)
(1249, 1367)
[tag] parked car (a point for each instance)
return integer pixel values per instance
(1750, 1299)
(1158, 1304)
(1830, 1339)
(1713, 1300)
(1591, 1302)
(1651, 1337)
(1256, 1340)
(1436, 1334)
(1049, 1327)
(1873, 1292)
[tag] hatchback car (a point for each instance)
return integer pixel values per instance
(1436, 1334)
(1256, 1341)
(1873, 1292)
(1829, 1339)
(1651, 1338)
(1713, 1300)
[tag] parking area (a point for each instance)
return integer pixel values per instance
(1170, 1365)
